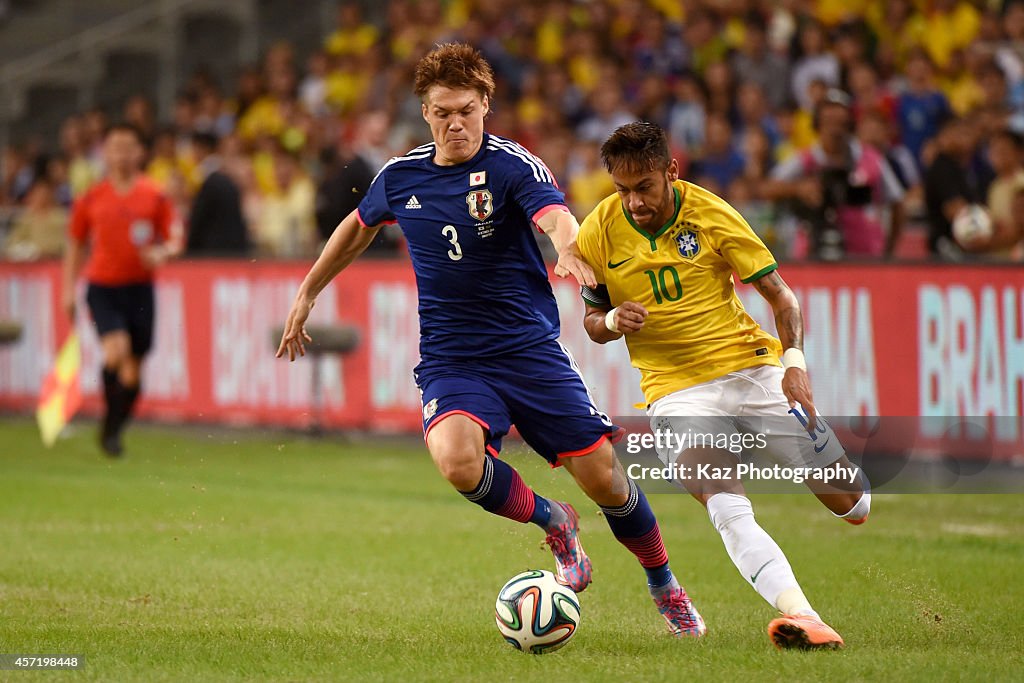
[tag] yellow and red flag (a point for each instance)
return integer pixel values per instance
(60, 396)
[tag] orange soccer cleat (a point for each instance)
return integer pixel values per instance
(803, 632)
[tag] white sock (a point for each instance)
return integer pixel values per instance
(759, 559)
(860, 510)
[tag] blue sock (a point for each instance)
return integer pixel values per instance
(541, 511)
(658, 576)
(502, 491)
(634, 525)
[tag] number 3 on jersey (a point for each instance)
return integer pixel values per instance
(452, 234)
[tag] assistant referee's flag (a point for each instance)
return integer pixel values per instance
(60, 397)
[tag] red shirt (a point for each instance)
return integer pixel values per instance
(117, 226)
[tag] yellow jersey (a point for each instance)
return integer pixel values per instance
(696, 328)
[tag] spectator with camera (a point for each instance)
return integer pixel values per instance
(950, 185)
(1006, 156)
(843, 189)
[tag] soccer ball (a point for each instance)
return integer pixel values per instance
(535, 613)
(971, 223)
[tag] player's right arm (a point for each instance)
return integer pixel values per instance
(602, 321)
(626, 318)
(74, 258)
(74, 253)
(349, 240)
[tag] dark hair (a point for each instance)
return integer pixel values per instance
(165, 131)
(991, 68)
(638, 147)
(40, 181)
(206, 140)
(951, 122)
(456, 66)
(755, 20)
(1011, 136)
(919, 53)
(833, 98)
(124, 127)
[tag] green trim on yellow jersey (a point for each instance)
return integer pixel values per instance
(696, 328)
(661, 231)
(761, 273)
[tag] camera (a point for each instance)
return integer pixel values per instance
(840, 190)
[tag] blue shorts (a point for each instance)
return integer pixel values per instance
(539, 390)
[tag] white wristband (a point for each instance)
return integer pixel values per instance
(794, 358)
(609, 321)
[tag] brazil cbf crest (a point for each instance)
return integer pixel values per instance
(480, 203)
(689, 245)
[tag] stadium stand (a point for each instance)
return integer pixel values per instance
(736, 83)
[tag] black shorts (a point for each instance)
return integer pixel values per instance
(128, 308)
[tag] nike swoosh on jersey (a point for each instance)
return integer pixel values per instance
(819, 450)
(616, 265)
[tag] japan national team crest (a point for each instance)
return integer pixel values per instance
(689, 245)
(430, 409)
(480, 203)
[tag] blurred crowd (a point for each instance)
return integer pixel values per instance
(839, 128)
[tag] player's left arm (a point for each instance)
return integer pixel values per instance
(171, 232)
(348, 241)
(561, 228)
(533, 188)
(790, 325)
(603, 321)
(733, 238)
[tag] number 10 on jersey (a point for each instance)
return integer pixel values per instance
(659, 284)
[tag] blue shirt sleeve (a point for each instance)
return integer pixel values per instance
(532, 184)
(374, 209)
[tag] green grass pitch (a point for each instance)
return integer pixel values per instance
(244, 557)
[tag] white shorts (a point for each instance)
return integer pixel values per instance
(746, 402)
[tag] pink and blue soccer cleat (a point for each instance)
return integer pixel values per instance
(682, 617)
(572, 564)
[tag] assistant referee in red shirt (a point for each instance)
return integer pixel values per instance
(127, 228)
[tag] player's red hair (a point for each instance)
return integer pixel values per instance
(457, 66)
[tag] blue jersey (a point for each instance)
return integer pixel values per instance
(483, 286)
(920, 116)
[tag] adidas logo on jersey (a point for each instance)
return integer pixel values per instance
(413, 203)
